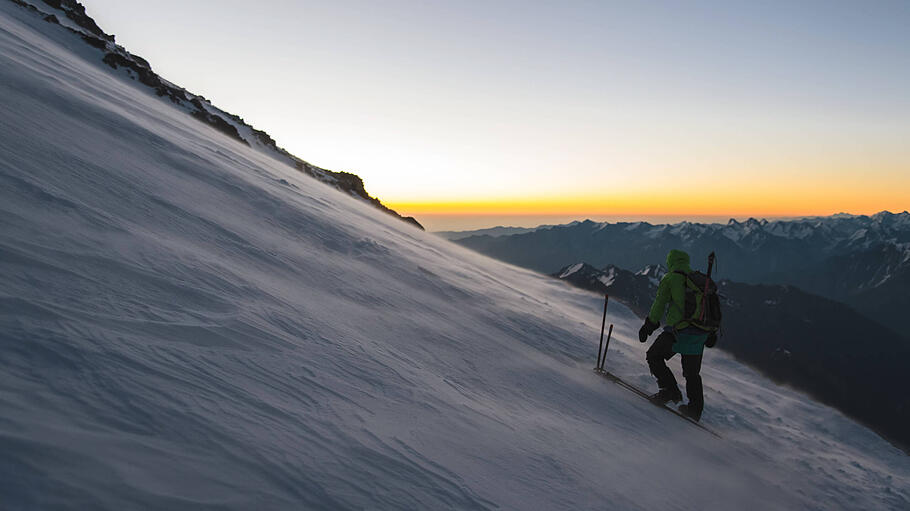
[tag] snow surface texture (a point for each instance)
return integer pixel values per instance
(186, 323)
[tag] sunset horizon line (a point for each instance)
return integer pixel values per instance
(438, 222)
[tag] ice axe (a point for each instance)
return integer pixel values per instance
(704, 306)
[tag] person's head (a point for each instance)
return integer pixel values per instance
(677, 260)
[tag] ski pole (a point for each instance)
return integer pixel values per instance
(607, 347)
(603, 323)
(704, 304)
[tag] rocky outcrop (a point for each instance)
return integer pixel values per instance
(76, 12)
(139, 69)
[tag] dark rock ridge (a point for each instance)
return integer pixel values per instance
(76, 12)
(139, 69)
(816, 345)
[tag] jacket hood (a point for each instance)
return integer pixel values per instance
(677, 260)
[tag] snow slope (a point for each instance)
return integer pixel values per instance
(186, 323)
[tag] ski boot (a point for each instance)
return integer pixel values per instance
(664, 396)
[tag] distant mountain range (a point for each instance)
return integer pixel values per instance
(71, 15)
(863, 261)
(817, 345)
(491, 231)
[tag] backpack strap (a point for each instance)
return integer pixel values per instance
(689, 285)
(689, 282)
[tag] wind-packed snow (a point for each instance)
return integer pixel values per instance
(186, 323)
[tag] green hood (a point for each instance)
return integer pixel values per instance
(677, 260)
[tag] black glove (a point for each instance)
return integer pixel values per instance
(647, 329)
(712, 340)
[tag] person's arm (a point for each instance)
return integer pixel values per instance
(657, 310)
(659, 307)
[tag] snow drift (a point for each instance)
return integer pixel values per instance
(187, 323)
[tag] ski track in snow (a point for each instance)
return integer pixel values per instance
(188, 324)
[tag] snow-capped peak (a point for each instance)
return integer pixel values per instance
(570, 270)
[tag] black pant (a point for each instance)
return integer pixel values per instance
(659, 353)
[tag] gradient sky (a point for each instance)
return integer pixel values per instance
(562, 109)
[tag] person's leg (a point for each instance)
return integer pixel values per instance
(658, 354)
(691, 365)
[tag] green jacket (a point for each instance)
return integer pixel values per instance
(671, 292)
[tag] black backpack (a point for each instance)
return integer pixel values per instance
(696, 285)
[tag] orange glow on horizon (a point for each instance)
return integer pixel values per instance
(793, 204)
(784, 191)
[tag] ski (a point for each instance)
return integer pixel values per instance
(628, 386)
